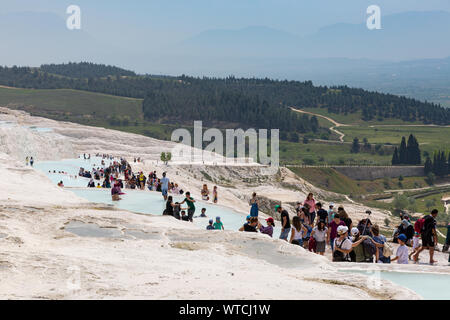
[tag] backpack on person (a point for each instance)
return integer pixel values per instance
(339, 256)
(419, 225)
(387, 250)
(369, 250)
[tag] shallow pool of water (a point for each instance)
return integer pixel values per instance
(92, 230)
(71, 167)
(10, 124)
(151, 202)
(147, 202)
(6, 124)
(429, 286)
(39, 129)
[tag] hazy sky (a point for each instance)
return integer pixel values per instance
(178, 19)
(138, 34)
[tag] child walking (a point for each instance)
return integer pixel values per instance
(415, 244)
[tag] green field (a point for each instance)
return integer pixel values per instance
(69, 104)
(355, 118)
(317, 153)
(430, 138)
(332, 180)
(434, 201)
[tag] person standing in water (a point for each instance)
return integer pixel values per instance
(218, 225)
(210, 225)
(164, 185)
(26, 160)
(31, 161)
(169, 207)
(215, 198)
(205, 192)
(115, 192)
(191, 207)
(254, 206)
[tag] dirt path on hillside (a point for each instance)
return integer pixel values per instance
(6, 87)
(332, 128)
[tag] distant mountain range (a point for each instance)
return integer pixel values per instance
(410, 35)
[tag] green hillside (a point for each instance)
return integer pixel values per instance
(112, 97)
(255, 102)
(72, 104)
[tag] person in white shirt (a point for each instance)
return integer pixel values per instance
(320, 234)
(297, 232)
(402, 251)
(343, 245)
(416, 244)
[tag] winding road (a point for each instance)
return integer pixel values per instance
(332, 128)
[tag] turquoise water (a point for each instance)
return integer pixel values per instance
(10, 124)
(146, 202)
(72, 167)
(6, 124)
(152, 202)
(38, 129)
(429, 286)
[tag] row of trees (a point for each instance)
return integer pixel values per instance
(85, 70)
(357, 147)
(408, 153)
(439, 166)
(169, 91)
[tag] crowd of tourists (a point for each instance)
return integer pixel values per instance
(316, 228)
(312, 226)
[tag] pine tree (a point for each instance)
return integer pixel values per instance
(355, 146)
(448, 164)
(440, 167)
(435, 163)
(413, 151)
(395, 159)
(444, 167)
(428, 167)
(403, 152)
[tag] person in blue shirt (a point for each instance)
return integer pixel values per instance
(210, 225)
(164, 186)
(254, 210)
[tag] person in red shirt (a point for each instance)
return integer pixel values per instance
(332, 229)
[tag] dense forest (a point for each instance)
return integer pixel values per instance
(255, 102)
(85, 70)
(225, 105)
